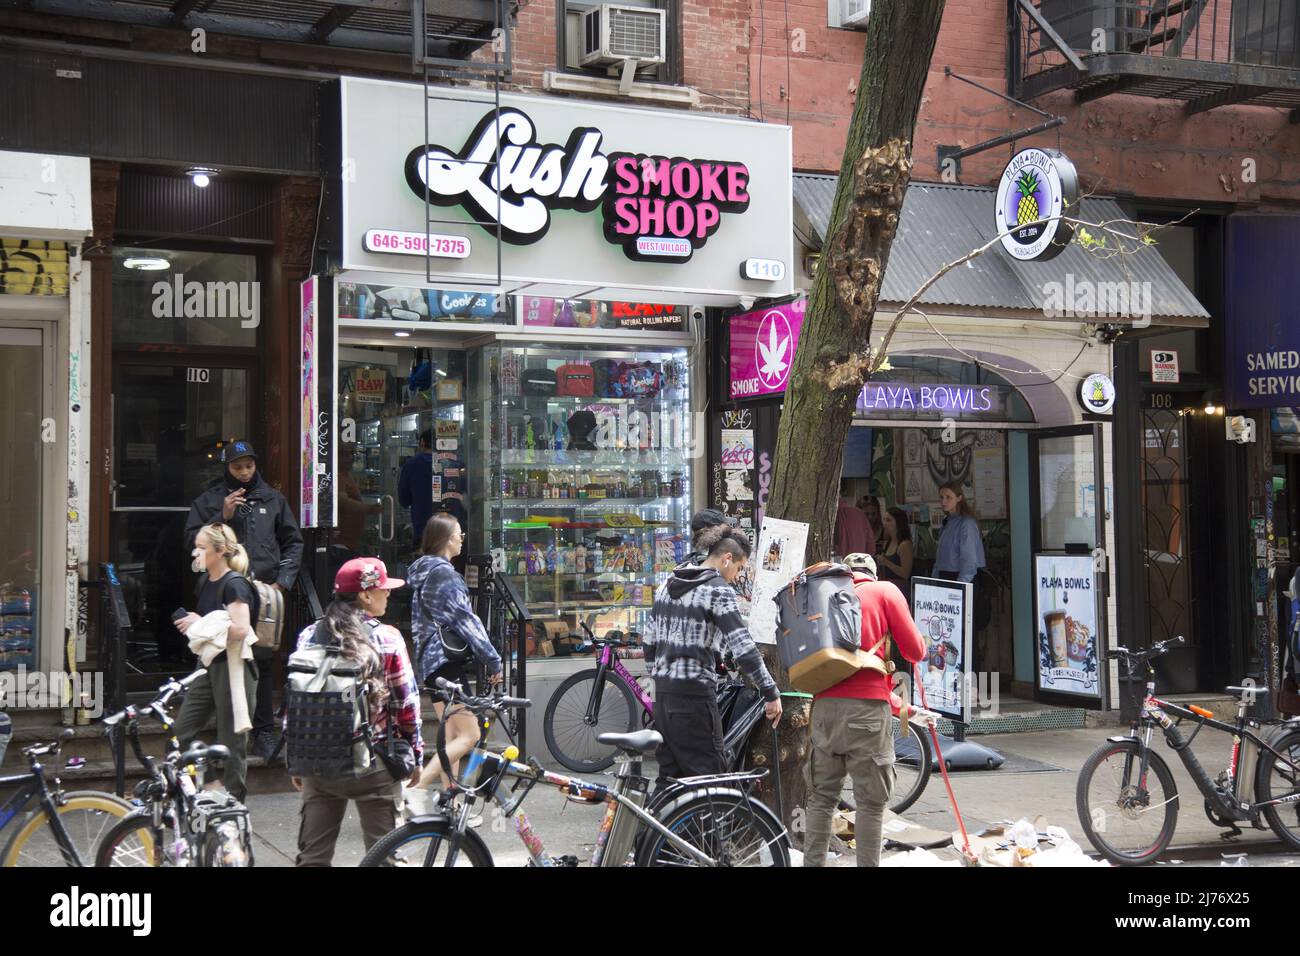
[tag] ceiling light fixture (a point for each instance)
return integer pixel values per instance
(402, 335)
(201, 176)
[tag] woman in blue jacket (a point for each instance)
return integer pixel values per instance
(961, 550)
(443, 620)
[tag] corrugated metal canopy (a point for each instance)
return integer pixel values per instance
(942, 223)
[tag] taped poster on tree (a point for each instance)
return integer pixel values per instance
(778, 558)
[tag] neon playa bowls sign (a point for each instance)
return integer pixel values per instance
(1037, 185)
(655, 207)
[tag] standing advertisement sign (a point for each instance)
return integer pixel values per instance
(1068, 635)
(942, 612)
(778, 558)
(308, 301)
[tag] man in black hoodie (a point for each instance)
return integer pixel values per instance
(264, 523)
(695, 617)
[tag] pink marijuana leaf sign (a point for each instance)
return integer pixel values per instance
(772, 353)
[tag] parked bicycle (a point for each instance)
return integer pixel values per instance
(701, 821)
(180, 823)
(63, 829)
(609, 699)
(1126, 796)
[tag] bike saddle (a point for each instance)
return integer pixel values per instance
(1259, 692)
(202, 752)
(640, 742)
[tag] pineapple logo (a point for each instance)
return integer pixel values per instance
(1037, 187)
(1027, 210)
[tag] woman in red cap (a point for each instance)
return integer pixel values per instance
(352, 619)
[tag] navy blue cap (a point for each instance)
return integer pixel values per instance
(237, 449)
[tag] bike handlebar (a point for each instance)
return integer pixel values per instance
(1158, 649)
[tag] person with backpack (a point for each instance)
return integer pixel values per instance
(695, 618)
(351, 661)
(449, 637)
(223, 562)
(851, 731)
(264, 522)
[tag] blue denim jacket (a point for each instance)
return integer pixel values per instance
(961, 550)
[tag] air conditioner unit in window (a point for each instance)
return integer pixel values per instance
(614, 34)
(848, 14)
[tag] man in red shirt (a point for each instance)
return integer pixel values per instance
(853, 534)
(851, 730)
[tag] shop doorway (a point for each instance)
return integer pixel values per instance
(392, 400)
(169, 422)
(26, 412)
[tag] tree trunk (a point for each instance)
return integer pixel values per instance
(833, 359)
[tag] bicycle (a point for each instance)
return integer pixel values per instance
(604, 700)
(1246, 791)
(180, 823)
(64, 828)
(707, 821)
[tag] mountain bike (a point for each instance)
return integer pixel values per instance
(1126, 796)
(64, 828)
(708, 821)
(180, 823)
(606, 699)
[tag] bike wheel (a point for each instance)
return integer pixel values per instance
(1274, 780)
(85, 814)
(133, 841)
(571, 739)
(913, 761)
(732, 829)
(1127, 825)
(427, 843)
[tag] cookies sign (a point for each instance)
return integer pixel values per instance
(1066, 619)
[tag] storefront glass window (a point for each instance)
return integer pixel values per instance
(583, 490)
(1068, 489)
(185, 297)
(21, 484)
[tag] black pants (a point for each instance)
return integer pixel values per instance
(691, 727)
(263, 714)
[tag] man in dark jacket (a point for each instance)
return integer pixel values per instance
(695, 617)
(264, 523)
(415, 487)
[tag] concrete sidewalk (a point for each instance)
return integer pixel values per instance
(984, 797)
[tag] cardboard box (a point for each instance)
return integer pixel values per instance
(554, 630)
(546, 648)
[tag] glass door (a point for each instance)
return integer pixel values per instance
(402, 455)
(169, 423)
(22, 483)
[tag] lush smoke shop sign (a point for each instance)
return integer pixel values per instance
(654, 207)
(1037, 184)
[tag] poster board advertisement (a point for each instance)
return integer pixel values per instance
(942, 612)
(308, 297)
(1068, 635)
(778, 558)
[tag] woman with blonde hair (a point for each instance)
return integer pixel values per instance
(222, 561)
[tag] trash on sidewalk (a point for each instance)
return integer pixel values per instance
(1026, 844)
(899, 831)
(1234, 859)
(842, 824)
(918, 857)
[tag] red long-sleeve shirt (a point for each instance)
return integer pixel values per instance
(884, 609)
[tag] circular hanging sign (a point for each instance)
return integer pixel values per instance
(1097, 394)
(1037, 184)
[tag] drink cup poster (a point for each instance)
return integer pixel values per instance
(1066, 621)
(942, 612)
(778, 558)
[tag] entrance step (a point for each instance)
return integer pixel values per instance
(1017, 721)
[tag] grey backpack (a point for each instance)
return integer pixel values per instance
(819, 630)
(327, 723)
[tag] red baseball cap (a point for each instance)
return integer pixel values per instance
(364, 574)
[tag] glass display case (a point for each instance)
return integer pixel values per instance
(582, 491)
